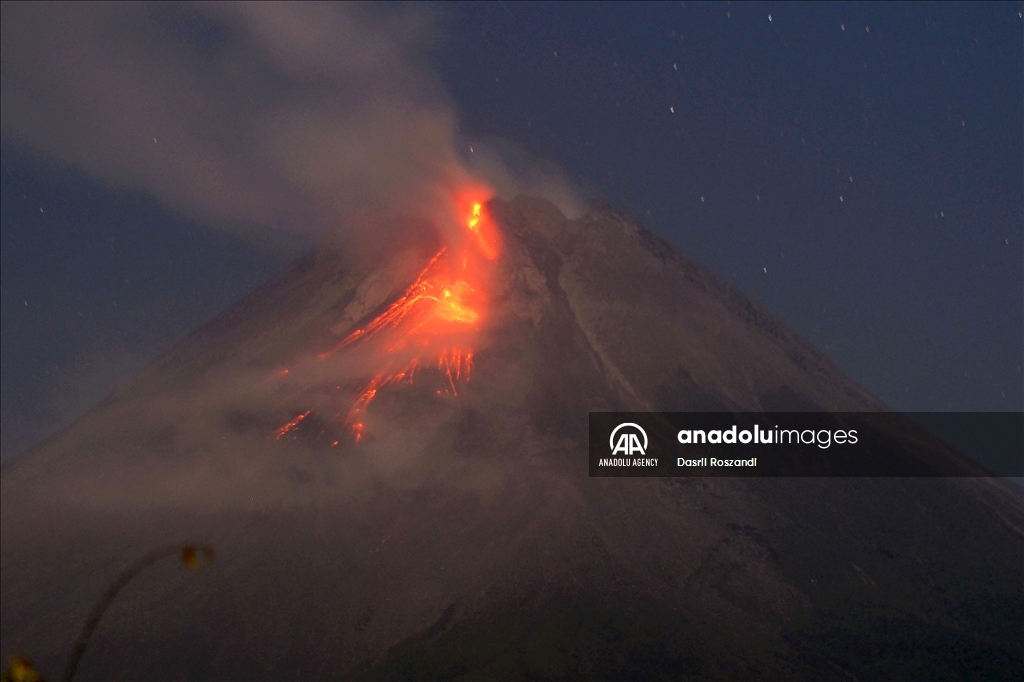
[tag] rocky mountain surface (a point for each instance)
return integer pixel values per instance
(462, 537)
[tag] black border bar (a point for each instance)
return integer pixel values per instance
(803, 444)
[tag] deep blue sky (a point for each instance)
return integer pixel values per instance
(855, 168)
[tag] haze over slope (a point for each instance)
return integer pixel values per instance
(462, 532)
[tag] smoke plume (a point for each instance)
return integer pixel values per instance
(302, 117)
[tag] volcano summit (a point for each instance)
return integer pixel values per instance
(390, 456)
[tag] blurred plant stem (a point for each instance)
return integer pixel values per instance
(189, 555)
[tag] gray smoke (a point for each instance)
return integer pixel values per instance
(295, 116)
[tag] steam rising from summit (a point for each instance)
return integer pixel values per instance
(302, 117)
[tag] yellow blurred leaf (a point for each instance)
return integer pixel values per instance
(20, 669)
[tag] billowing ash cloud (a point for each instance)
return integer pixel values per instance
(291, 116)
(318, 119)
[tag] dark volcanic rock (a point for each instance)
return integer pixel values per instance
(463, 537)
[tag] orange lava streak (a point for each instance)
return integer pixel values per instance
(291, 426)
(485, 239)
(369, 392)
(396, 312)
(455, 363)
(428, 326)
(473, 222)
(437, 305)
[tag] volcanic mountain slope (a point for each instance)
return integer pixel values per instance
(460, 534)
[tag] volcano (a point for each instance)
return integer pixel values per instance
(387, 505)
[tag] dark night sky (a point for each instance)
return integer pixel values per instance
(855, 168)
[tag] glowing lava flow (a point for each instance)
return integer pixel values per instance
(290, 426)
(430, 326)
(434, 299)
